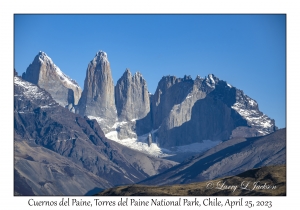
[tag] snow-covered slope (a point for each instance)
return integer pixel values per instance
(248, 109)
(140, 143)
(31, 91)
(25, 91)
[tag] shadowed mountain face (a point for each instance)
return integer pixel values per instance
(267, 181)
(54, 145)
(40, 171)
(182, 111)
(228, 158)
(185, 111)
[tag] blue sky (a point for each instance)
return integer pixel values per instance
(247, 51)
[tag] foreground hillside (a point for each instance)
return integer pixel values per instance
(268, 181)
(229, 158)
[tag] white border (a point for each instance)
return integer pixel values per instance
(8, 201)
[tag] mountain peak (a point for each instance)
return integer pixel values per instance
(138, 74)
(131, 96)
(98, 95)
(101, 53)
(101, 57)
(127, 73)
(44, 73)
(211, 80)
(43, 57)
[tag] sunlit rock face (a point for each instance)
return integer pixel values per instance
(132, 97)
(98, 98)
(44, 73)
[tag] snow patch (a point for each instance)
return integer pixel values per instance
(254, 117)
(189, 96)
(45, 107)
(43, 57)
(119, 124)
(133, 175)
(141, 145)
(252, 102)
(113, 135)
(138, 74)
(65, 78)
(211, 79)
(98, 119)
(129, 179)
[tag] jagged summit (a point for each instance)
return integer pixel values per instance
(42, 53)
(131, 96)
(44, 73)
(100, 57)
(208, 108)
(138, 74)
(101, 53)
(127, 73)
(187, 77)
(43, 57)
(211, 80)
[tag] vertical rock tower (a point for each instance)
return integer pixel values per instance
(97, 98)
(132, 98)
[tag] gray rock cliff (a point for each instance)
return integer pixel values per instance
(44, 73)
(185, 111)
(182, 110)
(98, 98)
(132, 98)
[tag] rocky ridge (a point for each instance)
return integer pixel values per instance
(182, 110)
(59, 147)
